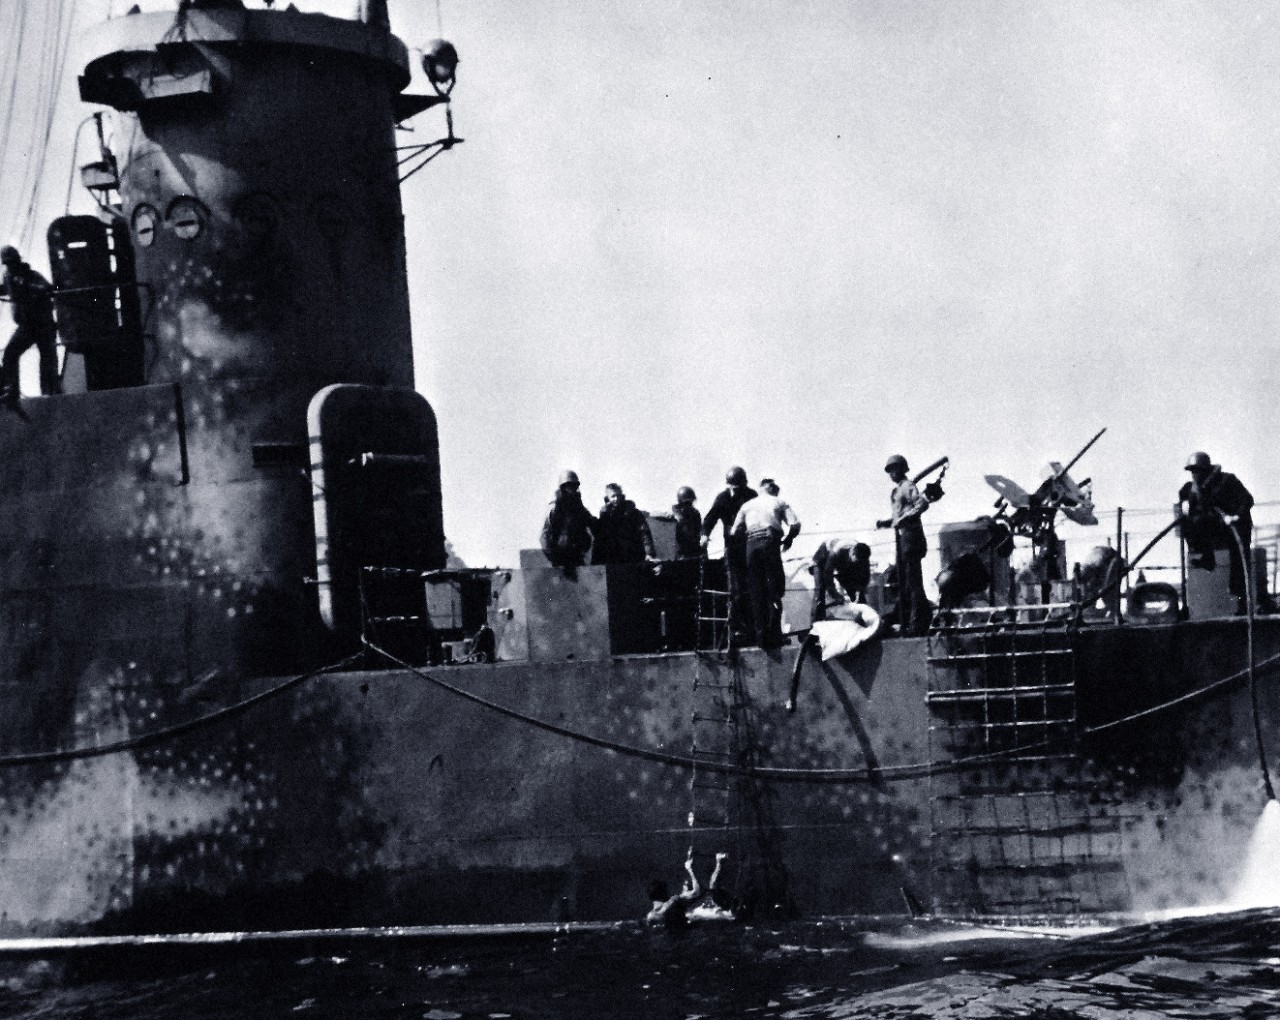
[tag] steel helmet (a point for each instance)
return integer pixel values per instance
(897, 460)
(1198, 461)
(569, 477)
(684, 494)
(735, 476)
(9, 254)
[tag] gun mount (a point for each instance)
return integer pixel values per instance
(1034, 514)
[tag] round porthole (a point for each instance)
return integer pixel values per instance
(187, 218)
(145, 220)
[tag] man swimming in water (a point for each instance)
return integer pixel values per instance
(719, 905)
(675, 911)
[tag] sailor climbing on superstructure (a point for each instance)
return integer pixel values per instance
(32, 298)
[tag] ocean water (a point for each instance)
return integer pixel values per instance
(1222, 963)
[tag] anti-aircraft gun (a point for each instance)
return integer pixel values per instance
(1030, 515)
(1034, 514)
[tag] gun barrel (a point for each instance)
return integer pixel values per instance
(1083, 450)
(940, 462)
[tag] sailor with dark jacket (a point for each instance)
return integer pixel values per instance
(32, 299)
(688, 524)
(569, 527)
(1212, 502)
(724, 511)
(622, 532)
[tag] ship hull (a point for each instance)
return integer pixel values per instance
(556, 791)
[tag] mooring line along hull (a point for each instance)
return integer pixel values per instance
(376, 798)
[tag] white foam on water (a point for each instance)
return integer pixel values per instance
(884, 940)
(1259, 881)
(910, 938)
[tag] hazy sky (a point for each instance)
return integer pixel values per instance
(802, 236)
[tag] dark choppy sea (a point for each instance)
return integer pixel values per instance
(1223, 965)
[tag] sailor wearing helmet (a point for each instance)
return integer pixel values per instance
(907, 505)
(688, 524)
(569, 528)
(1212, 502)
(724, 510)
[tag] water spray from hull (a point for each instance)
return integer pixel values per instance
(1259, 881)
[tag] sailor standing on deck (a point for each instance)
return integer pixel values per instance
(1213, 501)
(907, 504)
(724, 509)
(568, 531)
(688, 524)
(769, 526)
(622, 531)
(32, 299)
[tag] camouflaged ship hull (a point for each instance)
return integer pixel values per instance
(384, 797)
